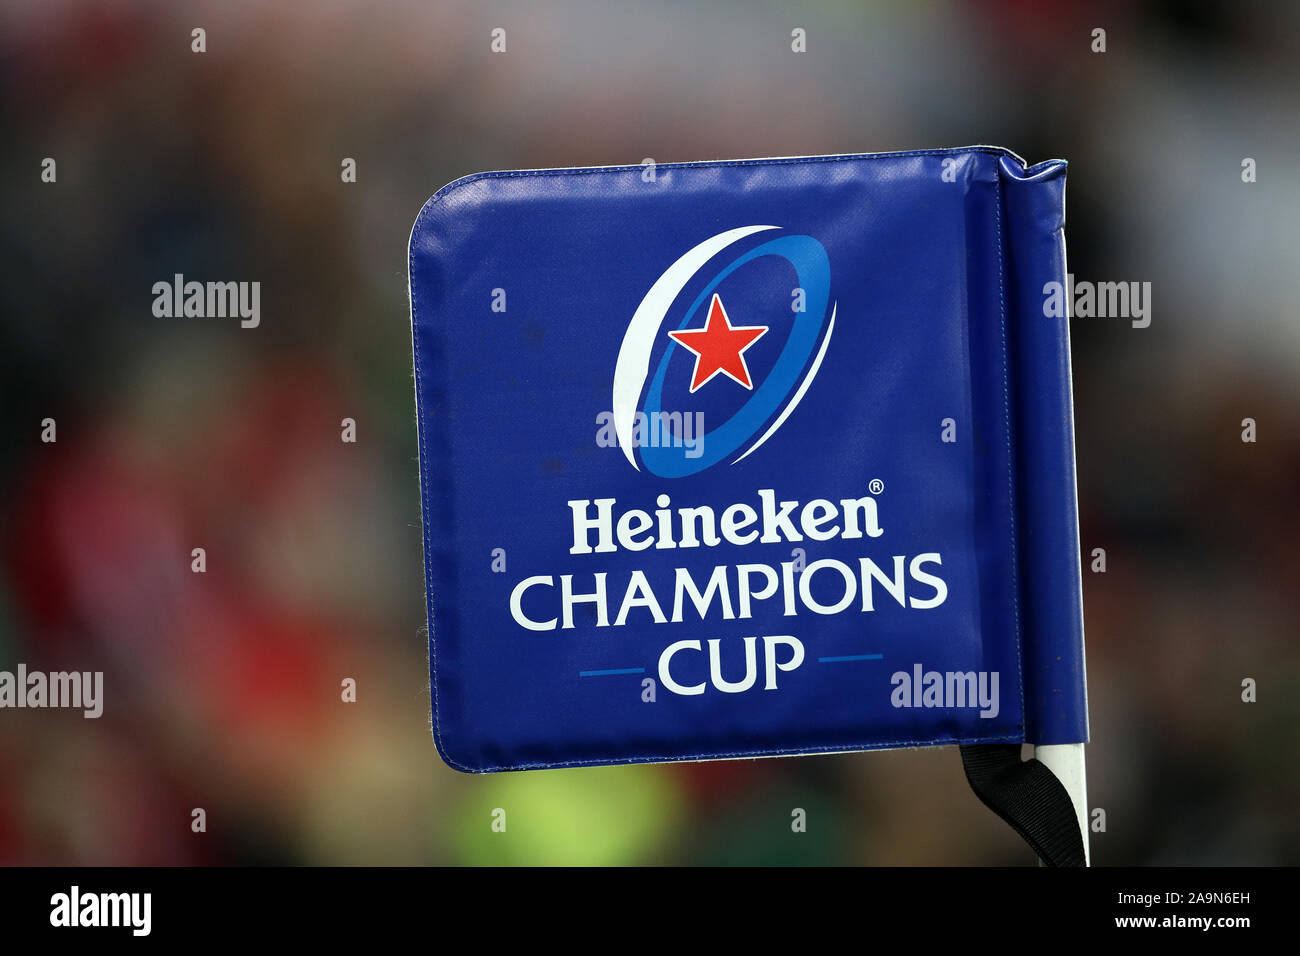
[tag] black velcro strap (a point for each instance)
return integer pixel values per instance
(1029, 797)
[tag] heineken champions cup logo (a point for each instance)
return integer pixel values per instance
(718, 341)
(686, 309)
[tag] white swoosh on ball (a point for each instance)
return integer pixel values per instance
(638, 343)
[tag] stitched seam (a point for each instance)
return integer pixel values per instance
(786, 752)
(424, 502)
(1011, 460)
(718, 164)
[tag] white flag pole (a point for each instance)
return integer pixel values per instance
(1067, 762)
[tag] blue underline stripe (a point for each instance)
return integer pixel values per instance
(851, 657)
(625, 670)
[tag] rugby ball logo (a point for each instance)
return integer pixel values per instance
(669, 324)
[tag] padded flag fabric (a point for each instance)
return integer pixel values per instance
(746, 458)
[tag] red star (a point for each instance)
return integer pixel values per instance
(720, 346)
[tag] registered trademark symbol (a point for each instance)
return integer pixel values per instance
(876, 486)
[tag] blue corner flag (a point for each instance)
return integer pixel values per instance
(747, 458)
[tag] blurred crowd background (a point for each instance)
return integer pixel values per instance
(223, 688)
